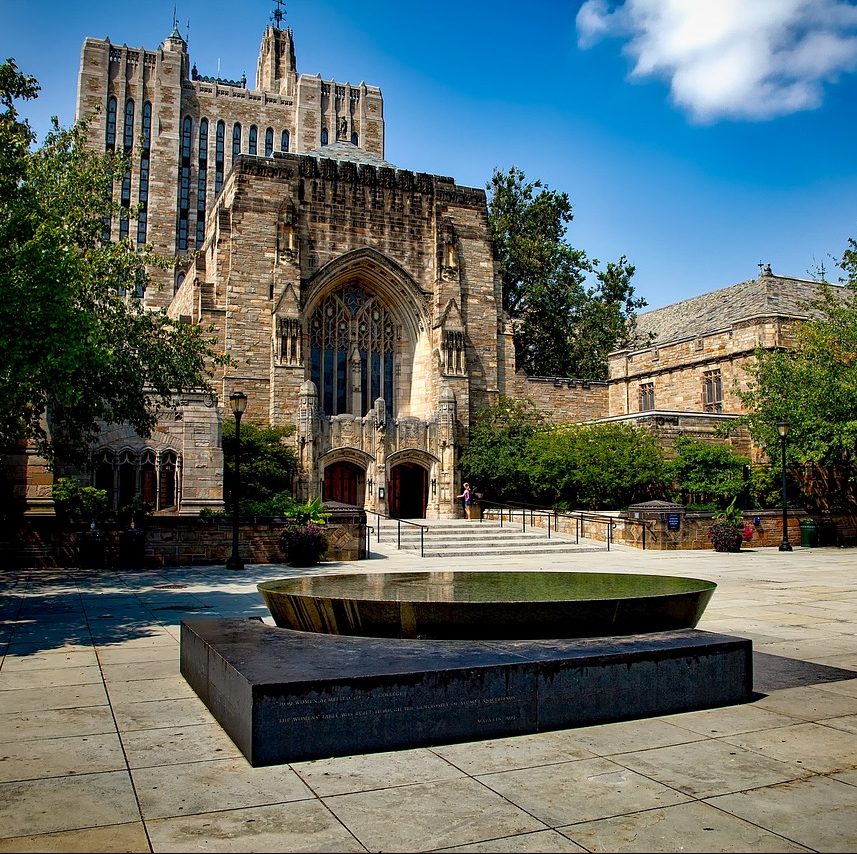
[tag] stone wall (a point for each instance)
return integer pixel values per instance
(693, 533)
(562, 401)
(171, 541)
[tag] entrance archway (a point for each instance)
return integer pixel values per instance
(343, 481)
(408, 491)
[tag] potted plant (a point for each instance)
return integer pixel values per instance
(727, 530)
(303, 539)
(304, 543)
(77, 506)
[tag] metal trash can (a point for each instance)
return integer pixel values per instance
(808, 533)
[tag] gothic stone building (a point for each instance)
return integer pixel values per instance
(185, 131)
(686, 379)
(357, 301)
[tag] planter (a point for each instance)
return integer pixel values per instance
(91, 548)
(726, 537)
(304, 557)
(303, 545)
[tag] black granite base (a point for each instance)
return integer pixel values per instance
(285, 696)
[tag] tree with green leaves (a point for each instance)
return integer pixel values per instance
(268, 466)
(813, 387)
(562, 326)
(495, 460)
(707, 473)
(79, 348)
(596, 466)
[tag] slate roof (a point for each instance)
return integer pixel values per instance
(766, 296)
(344, 150)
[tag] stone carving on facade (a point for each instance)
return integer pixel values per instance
(452, 343)
(449, 252)
(410, 433)
(288, 328)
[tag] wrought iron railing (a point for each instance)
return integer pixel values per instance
(399, 523)
(552, 516)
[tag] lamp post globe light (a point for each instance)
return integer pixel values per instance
(783, 430)
(237, 403)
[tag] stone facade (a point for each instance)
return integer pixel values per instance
(687, 378)
(356, 301)
(360, 303)
(184, 130)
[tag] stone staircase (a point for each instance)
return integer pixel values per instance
(473, 538)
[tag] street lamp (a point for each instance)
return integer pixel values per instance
(237, 403)
(783, 430)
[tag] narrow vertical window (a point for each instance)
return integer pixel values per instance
(201, 181)
(712, 391)
(254, 135)
(647, 396)
(269, 142)
(109, 145)
(324, 136)
(146, 144)
(184, 183)
(219, 157)
(236, 141)
(284, 141)
(110, 131)
(125, 200)
(128, 129)
(354, 138)
(187, 129)
(127, 147)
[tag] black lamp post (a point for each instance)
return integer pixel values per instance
(783, 429)
(237, 403)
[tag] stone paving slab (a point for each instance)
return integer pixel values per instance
(138, 764)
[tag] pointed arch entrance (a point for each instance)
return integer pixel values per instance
(408, 491)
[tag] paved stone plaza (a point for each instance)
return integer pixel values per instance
(106, 748)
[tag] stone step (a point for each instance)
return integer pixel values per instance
(503, 551)
(481, 542)
(471, 538)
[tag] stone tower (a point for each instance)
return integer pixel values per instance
(183, 131)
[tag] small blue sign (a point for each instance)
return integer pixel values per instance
(673, 522)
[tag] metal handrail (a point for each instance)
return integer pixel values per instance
(369, 529)
(579, 518)
(423, 529)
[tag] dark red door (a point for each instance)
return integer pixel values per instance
(408, 491)
(340, 483)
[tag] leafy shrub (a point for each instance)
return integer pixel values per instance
(268, 464)
(304, 543)
(77, 504)
(705, 472)
(604, 466)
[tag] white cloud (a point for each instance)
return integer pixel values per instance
(748, 59)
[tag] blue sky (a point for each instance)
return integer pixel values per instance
(696, 137)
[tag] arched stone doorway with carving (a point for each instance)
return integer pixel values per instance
(408, 491)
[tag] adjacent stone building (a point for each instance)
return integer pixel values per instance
(358, 302)
(686, 379)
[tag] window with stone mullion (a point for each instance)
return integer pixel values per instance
(345, 318)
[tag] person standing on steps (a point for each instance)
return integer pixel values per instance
(467, 495)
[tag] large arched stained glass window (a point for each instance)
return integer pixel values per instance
(352, 351)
